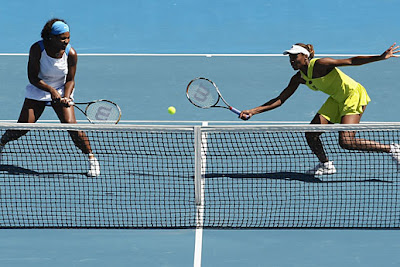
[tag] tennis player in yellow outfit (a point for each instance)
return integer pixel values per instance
(346, 103)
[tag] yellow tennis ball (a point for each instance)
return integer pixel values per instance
(171, 110)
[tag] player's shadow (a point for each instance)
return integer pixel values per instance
(288, 176)
(15, 170)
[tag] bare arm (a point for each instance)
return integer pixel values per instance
(325, 65)
(70, 80)
(294, 83)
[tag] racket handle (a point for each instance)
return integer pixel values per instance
(70, 103)
(234, 110)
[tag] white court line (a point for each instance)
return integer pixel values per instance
(188, 55)
(200, 171)
(201, 122)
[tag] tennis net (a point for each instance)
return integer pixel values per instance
(178, 176)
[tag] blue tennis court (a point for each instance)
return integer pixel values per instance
(114, 40)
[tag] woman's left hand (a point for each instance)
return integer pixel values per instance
(66, 101)
(391, 51)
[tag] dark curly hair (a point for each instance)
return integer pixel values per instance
(46, 31)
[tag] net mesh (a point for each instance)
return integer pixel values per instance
(251, 177)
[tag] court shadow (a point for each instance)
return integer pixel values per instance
(275, 175)
(289, 176)
(15, 170)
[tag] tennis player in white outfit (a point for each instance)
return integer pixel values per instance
(51, 73)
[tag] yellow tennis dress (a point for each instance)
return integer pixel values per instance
(346, 96)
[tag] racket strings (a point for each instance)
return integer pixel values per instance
(202, 93)
(103, 112)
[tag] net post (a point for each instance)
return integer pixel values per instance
(200, 143)
(197, 164)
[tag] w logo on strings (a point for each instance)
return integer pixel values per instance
(202, 93)
(103, 113)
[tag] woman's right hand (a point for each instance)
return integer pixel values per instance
(55, 96)
(245, 115)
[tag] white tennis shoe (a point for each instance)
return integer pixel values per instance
(94, 167)
(395, 152)
(323, 169)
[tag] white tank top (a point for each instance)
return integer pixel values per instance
(53, 71)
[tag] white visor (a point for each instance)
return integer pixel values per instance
(296, 49)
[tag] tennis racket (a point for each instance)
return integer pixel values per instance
(204, 93)
(100, 111)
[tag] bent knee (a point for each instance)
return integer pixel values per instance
(346, 143)
(312, 135)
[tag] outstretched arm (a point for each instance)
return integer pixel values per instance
(330, 63)
(275, 102)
